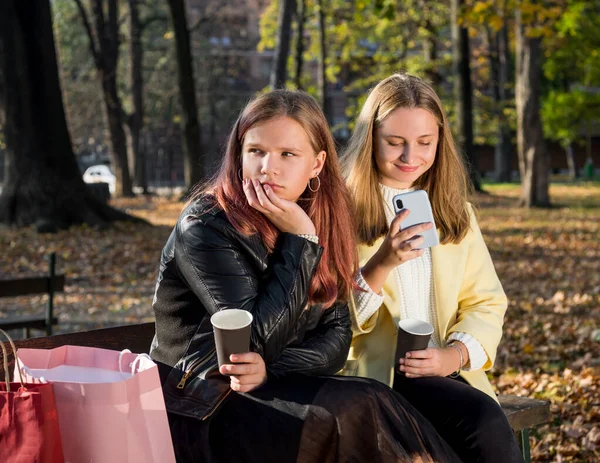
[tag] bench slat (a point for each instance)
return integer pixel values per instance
(523, 412)
(30, 285)
(35, 321)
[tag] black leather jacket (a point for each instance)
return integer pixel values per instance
(207, 266)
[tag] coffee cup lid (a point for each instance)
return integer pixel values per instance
(415, 326)
(231, 319)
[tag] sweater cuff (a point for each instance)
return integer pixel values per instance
(313, 238)
(367, 301)
(477, 355)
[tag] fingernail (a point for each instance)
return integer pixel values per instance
(233, 358)
(402, 368)
(229, 368)
(401, 361)
(408, 355)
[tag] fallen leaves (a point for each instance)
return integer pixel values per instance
(549, 264)
(547, 260)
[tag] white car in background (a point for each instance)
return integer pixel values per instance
(100, 174)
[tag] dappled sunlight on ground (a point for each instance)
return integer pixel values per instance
(548, 261)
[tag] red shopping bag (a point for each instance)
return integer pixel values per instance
(29, 430)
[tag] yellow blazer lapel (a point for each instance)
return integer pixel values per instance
(447, 268)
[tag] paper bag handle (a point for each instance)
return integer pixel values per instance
(133, 364)
(5, 358)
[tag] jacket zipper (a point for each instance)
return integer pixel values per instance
(194, 366)
(221, 399)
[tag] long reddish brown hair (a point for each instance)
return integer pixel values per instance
(329, 208)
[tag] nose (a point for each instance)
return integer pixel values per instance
(406, 156)
(269, 165)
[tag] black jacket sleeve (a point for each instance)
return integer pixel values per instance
(216, 267)
(324, 349)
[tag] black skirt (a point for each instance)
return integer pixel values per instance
(311, 419)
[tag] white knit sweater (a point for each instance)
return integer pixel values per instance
(414, 280)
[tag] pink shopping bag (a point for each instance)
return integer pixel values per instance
(110, 404)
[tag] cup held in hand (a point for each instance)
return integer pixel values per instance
(232, 333)
(413, 334)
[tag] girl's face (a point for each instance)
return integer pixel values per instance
(278, 152)
(405, 146)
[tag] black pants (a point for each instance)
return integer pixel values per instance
(306, 419)
(470, 421)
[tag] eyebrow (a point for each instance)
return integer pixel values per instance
(258, 145)
(402, 138)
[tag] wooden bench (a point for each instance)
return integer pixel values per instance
(48, 284)
(522, 413)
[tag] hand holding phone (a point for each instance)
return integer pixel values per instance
(417, 202)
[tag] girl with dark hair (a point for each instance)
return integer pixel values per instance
(273, 233)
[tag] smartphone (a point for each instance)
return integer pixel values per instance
(417, 202)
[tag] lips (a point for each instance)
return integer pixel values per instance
(408, 169)
(272, 185)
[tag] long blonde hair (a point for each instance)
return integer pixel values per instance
(446, 182)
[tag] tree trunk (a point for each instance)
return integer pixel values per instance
(135, 121)
(282, 49)
(43, 185)
(118, 142)
(321, 78)
(588, 141)
(463, 93)
(504, 166)
(192, 145)
(533, 159)
(499, 65)
(104, 46)
(301, 18)
(107, 32)
(571, 161)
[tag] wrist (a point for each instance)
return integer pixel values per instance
(375, 274)
(457, 360)
(380, 264)
(305, 229)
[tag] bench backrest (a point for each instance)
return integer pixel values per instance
(47, 284)
(137, 338)
(31, 285)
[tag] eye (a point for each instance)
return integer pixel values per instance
(287, 154)
(425, 143)
(400, 143)
(253, 150)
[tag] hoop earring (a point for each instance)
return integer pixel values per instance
(240, 175)
(314, 190)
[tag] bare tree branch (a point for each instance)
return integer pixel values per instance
(101, 33)
(88, 29)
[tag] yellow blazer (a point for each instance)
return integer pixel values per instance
(468, 296)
